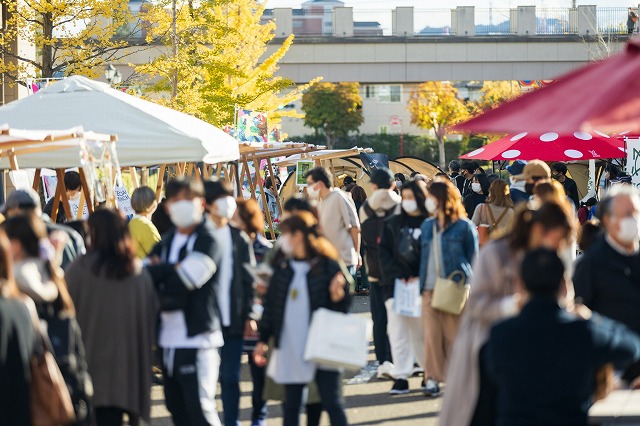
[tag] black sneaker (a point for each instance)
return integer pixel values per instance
(400, 387)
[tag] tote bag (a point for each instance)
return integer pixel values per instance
(407, 301)
(449, 295)
(337, 340)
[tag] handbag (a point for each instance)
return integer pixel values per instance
(49, 396)
(337, 340)
(449, 295)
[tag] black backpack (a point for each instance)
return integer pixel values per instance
(68, 350)
(371, 234)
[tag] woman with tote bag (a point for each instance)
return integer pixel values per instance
(449, 244)
(399, 254)
(310, 278)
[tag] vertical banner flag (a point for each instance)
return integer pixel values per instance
(251, 126)
(374, 161)
(633, 160)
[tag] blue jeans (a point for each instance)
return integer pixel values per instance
(329, 388)
(230, 356)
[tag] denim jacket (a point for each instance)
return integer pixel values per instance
(459, 246)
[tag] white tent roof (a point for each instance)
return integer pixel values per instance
(148, 133)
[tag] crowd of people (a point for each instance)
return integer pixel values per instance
(512, 298)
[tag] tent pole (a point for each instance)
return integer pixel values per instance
(36, 180)
(161, 173)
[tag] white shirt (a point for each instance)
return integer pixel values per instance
(173, 326)
(287, 361)
(225, 274)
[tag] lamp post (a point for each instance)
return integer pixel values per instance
(113, 76)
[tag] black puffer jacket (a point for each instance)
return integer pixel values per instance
(318, 279)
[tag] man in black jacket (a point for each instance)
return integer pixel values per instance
(184, 267)
(607, 277)
(235, 292)
(559, 173)
(543, 362)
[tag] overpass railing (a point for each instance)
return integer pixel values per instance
(461, 21)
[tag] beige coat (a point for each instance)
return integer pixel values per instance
(494, 279)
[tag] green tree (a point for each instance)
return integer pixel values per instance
(217, 60)
(334, 108)
(436, 106)
(74, 37)
(496, 92)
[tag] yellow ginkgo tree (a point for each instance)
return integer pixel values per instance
(216, 60)
(436, 106)
(43, 37)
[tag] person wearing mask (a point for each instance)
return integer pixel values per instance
(497, 294)
(250, 220)
(38, 277)
(497, 212)
(271, 194)
(338, 217)
(73, 188)
(607, 278)
(234, 291)
(587, 210)
(400, 179)
(400, 265)
(144, 233)
(311, 277)
(479, 192)
(534, 171)
(383, 203)
(117, 314)
(467, 170)
(560, 350)
(185, 267)
(559, 173)
(17, 345)
(455, 176)
(517, 189)
(348, 183)
(457, 245)
(27, 202)
(359, 197)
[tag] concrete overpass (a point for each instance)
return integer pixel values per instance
(389, 59)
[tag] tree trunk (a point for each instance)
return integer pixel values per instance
(441, 155)
(47, 49)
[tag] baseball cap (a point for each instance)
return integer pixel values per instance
(383, 178)
(22, 199)
(535, 168)
(516, 167)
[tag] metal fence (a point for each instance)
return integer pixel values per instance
(494, 21)
(612, 20)
(433, 21)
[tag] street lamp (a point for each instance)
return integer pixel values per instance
(112, 75)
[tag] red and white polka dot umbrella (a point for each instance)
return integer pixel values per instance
(551, 146)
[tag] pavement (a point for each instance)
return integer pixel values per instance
(367, 399)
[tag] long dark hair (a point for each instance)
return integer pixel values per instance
(110, 239)
(450, 206)
(29, 230)
(315, 244)
(550, 215)
(419, 190)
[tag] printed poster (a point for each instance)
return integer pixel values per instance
(302, 167)
(252, 126)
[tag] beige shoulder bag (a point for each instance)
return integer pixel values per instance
(449, 295)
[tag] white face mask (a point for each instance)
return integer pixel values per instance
(225, 207)
(75, 196)
(629, 230)
(185, 213)
(409, 206)
(285, 245)
(431, 205)
(313, 192)
(398, 184)
(475, 187)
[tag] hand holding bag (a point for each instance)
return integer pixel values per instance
(449, 295)
(337, 340)
(407, 301)
(50, 399)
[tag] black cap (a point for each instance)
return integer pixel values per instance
(382, 178)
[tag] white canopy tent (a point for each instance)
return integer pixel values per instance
(148, 133)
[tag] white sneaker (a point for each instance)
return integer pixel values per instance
(384, 370)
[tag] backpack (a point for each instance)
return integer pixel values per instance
(68, 350)
(371, 235)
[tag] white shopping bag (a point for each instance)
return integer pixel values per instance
(337, 340)
(407, 300)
